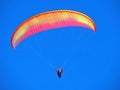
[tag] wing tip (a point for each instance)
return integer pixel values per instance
(13, 46)
(94, 28)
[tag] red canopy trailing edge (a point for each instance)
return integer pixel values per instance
(48, 21)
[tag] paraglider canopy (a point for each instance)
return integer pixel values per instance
(48, 21)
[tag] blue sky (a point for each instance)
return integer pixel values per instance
(93, 60)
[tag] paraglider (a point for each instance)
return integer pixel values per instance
(48, 21)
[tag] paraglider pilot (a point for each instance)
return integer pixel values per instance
(59, 72)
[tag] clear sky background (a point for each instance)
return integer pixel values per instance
(93, 59)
